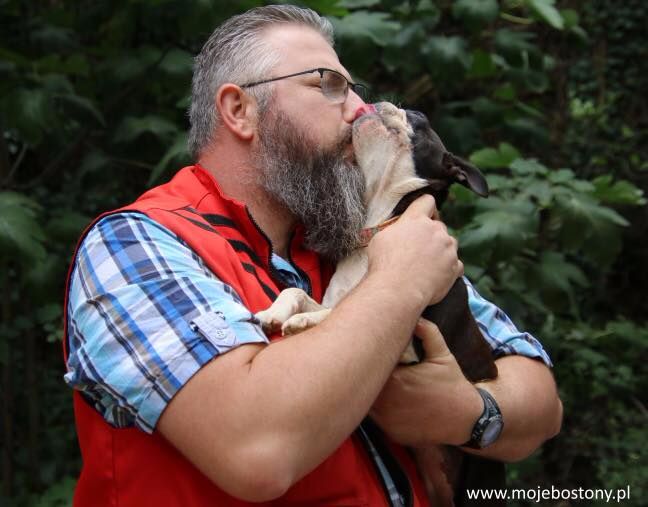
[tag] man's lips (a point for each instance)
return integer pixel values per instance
(364, 109)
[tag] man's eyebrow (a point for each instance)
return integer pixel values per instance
(348, 76)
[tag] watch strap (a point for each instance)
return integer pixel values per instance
(491, 413)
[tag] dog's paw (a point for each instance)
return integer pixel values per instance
(409, 356)
(303, 321)
(269, 321)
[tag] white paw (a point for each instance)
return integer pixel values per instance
(297, 324)
(269, 321)
(303, 321)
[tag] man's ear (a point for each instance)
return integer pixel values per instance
(238, 110)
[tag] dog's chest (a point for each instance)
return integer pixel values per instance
(348, 274)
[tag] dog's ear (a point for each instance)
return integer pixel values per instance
(435, 163)
(467, 174)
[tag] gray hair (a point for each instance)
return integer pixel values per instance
(237, 53)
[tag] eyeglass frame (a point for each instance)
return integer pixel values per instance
(358, 88)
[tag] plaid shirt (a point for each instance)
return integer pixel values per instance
(145, 314)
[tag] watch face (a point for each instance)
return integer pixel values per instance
(491, 432)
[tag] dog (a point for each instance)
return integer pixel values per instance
(402, 158)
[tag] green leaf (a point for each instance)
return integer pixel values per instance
(540, 190)
(475, 14)
(503, 226)
(14, 57)
(491, 158)
(357, 4)
(177, 151)
(84, 104)
(525, 167)
(505, 92)
(177, 62)
(57, 83)
(487, 111)
(324, 7)
(559, 274)
(532, 79)
(445, 51)
(21, 235)
(58, 494)
(582, 224)
(570, 17)
(509, 41)
(131, 128)
(546, 11)
(125, 67)
(482, 65)
(31, 112)
(376, 26)
(67, 225)
(531, 111)
(526, 127)
(561, 176)
(618, 192)
(48, 313)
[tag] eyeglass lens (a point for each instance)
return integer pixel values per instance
(334, 85)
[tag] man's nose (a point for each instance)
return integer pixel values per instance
(351, 105)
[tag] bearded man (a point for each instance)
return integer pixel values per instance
(181, 400)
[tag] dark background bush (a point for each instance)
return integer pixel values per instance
(547, 98)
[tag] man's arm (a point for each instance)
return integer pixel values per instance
(259, 418)
(433, 403)
(531, 409)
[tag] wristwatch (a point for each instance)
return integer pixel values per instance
(489, 426)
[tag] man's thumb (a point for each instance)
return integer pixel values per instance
(425, 204)
(432, 339)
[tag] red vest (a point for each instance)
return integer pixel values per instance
(129, 468)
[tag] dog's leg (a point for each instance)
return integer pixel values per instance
(303, 321)
(439, 466)
(289, 302)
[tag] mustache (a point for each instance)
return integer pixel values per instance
(347, 137)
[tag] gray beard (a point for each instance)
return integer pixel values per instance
(315, 184)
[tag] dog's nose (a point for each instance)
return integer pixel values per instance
(364, 109)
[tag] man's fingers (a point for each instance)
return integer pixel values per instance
(423, 205)
(432, 339)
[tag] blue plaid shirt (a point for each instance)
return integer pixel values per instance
(145, 314)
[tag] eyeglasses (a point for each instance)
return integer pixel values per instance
(334, 85)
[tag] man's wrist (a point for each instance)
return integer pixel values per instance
(413, 299)
(489, 425)
(472, 410)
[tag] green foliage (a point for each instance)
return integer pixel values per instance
(21, 236)
(546, 97)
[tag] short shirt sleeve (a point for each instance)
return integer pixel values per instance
(144, 315)
(500, 332)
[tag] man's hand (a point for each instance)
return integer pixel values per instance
(432, 402)
(418, 253)
(433, 395)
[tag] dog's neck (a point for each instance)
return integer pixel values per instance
(382, 205)
(386, 188)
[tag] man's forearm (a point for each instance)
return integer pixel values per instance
(336, 371)
(433, 403)
(290, 404)
(526, 394)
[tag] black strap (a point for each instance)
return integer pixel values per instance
(396, 485)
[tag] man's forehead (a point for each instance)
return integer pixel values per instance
(302, 47)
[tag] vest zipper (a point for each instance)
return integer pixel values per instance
(274, 273)
(299, 270)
